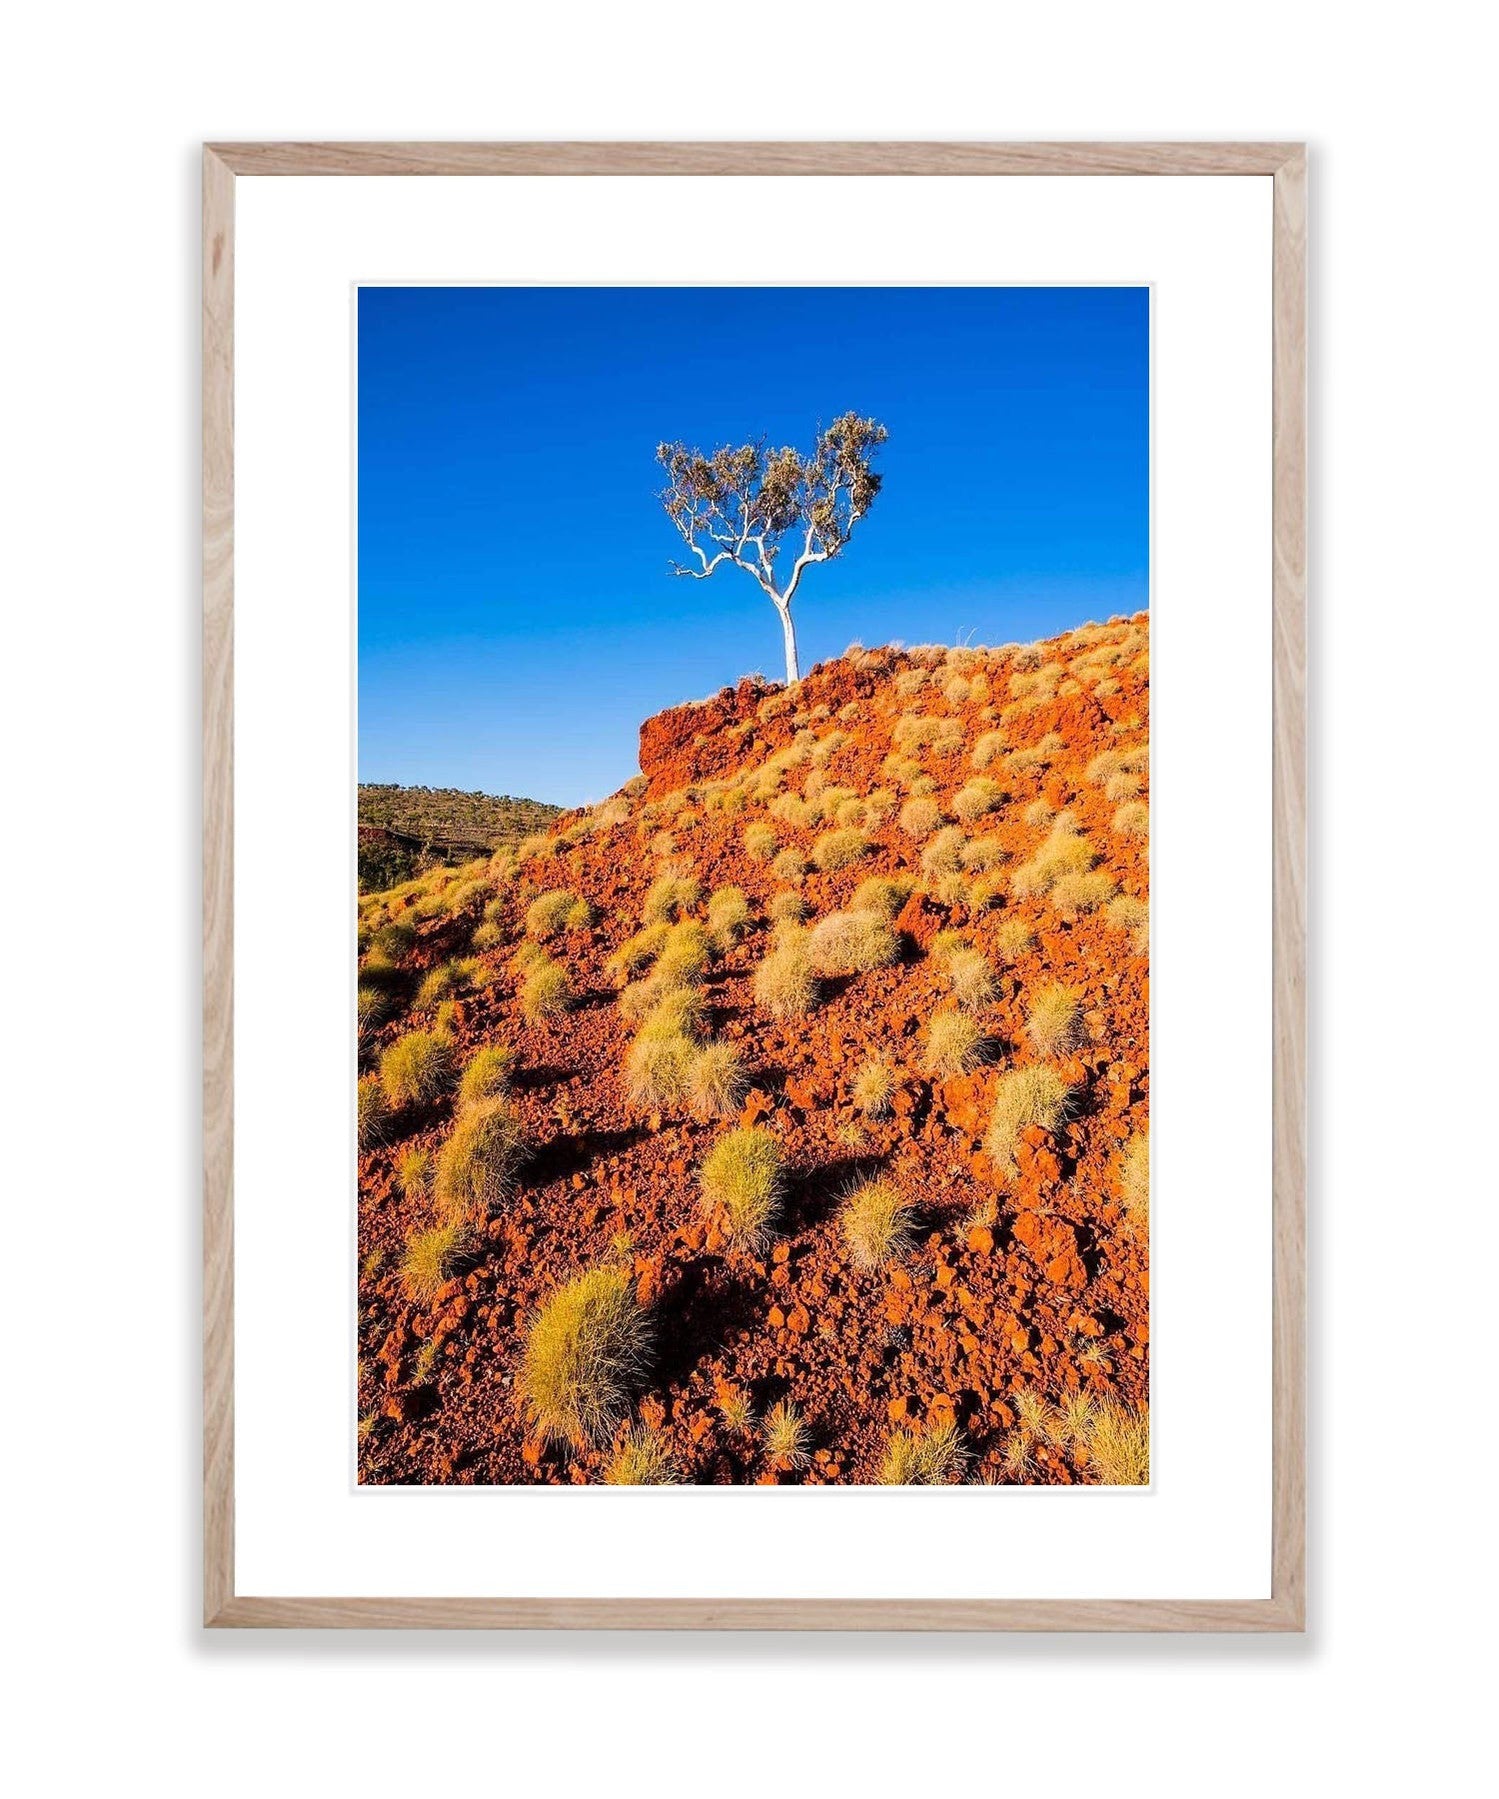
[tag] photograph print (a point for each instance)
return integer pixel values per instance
(752, 913)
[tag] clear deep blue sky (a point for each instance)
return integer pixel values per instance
(517, 619)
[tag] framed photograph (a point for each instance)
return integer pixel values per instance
(754, 809)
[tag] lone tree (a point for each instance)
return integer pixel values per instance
(756, 508)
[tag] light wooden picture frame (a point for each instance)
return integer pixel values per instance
(1285, 163)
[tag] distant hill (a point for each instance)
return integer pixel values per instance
(405, 829)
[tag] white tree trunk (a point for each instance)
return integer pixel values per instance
(788, 631)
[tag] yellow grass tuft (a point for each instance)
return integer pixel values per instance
(1134, 1177)
(976, 798)
(921, 816)
(852, 943)
(1076, 894)
(373, 1111)
(414, 1173)
(585, 1352)
(1013, 939)
(1035, 1095)
(415, 1069)
(955, 1043)
(743, 1180)
(716, 1081)
(879, 1224)
(550, 914)
(1132, 916)
(547, 990)
(670, 896)
(789, 865)
(785, 982)
(728, 916)
(970, 979)
(641, 1460)
(840, 849)
(788, 904)
(476, 1166)
(760, 843)
(1133, 819)
(788, 1442)
(944, 854)
(874, 1089)
(1119, 1445)
(487, 1074)
(736, 1408)
(431, 1259)
(882, 894)
(1054, 1023)
(928, 1459)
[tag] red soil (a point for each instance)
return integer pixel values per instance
(1033, 1280)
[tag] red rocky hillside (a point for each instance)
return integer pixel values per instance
(893, 922)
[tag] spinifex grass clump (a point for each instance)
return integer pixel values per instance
(788, 1442)
(742, 1183)
(879, 1224)
(641, 1459)
(882, 895)
(786, 981)
(1054, 1023)
(476, 1166)
(971, 979)
(852, 943)
(874, 1089)
(415, 1069)
(928, 1458)
(976, 798)
(839, 849)
(550, 914)
(658, 1064)
(432, 1257)
(373, 1112)
(1118, 1444)
(1036, 1095)
(585, 1353)
(716, 1081)
(670, 896)
(487, 1074)
(728, 917)
(1134, 1177)
(955, 1043)
(546, 991)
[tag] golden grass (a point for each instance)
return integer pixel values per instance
(1063, 854)
(852, 943)
(742, 1181)
(431, 1258)
(760, 842)
(585, 1352)
(728, 916)
(415, 1069)
(550, 914)
(638, 952)
(641, 1459)
(970, 979)
(476, 1166)
(658, 1064)
(373, 1111)
(1013, 939)
(716, 1081)
(878, 1222)
(788, 904)
(947, 944)
(788, 1442)
(487, 1074)
(1134, 1177)
(547, 991)
(840, 849)
(736, 1408)
(785, 983)
(921, 816)
(414, 1173)
(789, 865)
(1035, 1095)
(670, 896)
(685, 953)
(955, 1043)
(1118, 1445)
(1054, 1022)
(1075, 894)
(882, 894)
(976, 798)
(393, 940)
(988, 747)
(1132, 916)
(926, 1459)
(1133, 819)
(436, 987)
(983, 853)
(874, 1089)
(944, 854)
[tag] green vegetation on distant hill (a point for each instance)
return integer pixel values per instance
(431, 819)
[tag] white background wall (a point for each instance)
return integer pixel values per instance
(103, 109)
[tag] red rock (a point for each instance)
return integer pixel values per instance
(777, 1318)
(981, 1239)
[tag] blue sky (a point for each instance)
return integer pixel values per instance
(517, 618)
